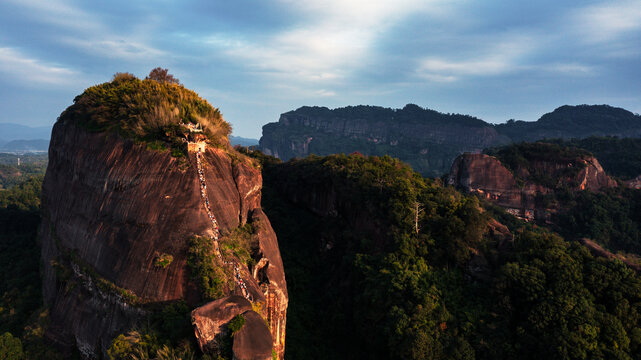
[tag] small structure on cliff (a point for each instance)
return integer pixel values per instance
(196, 146)
(196, 140)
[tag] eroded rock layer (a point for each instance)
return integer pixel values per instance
(111, 208)
(517, 191)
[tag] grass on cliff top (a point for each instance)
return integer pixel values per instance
(146, 111)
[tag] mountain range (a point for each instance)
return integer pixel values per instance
(426, 139)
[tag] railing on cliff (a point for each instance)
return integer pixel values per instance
(203, 193)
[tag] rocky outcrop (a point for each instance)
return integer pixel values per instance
(634, 183)
(211, 319)
(516, 190)
(253, 341)
(111, 208)
(428, 140)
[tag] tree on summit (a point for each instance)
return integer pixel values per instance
(162, 75)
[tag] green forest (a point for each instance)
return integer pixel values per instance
(388, 291)
(620, 157)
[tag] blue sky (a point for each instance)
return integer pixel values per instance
(257, 59)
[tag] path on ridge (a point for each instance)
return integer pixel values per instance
(203, 194)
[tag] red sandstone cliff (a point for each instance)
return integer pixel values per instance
(522, 195)
(111, 207)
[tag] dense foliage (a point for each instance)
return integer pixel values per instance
(347, 228)
(620, 157)
(611, 217)
(22, 316)
(147, 110)
(240, 243)
(206, 268)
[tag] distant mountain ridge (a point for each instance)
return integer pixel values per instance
(579, 121)
(11, 131)
(239, 140)
(427, 139)
(36, 145)
(17, 137)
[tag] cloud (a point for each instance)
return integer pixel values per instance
(58, 13)
(115, 48)
(327, 41)
(570, 68)
(28, 70)
(608, 21)
(483, 60)
(86, 32)
(325, 93)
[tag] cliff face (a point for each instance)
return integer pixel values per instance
(111, 208)
(522, 195)
(427, 140)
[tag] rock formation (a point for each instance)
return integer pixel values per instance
(112, 208)
(518, 191)
(252, 342)
(428, 140)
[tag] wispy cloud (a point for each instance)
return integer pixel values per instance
(115, 48)
(328, 40)
(608, 21)
(28, 70)
(86, 32)
(59, 13)
(486, 60)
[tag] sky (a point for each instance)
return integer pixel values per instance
(496, 60)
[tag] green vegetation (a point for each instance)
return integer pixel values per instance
(236, 324)
(611, 217)
(409, 114)
(31, 165)
(22, 319)
(147, 111)
(573, 122)
(10, 347)
(550, 165)
(146, 346)
(167, 335)
(240, 243)
(387, 291)
(206, 268)
(619, 157)
(163, 261)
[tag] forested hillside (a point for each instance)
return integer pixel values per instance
(402, 267)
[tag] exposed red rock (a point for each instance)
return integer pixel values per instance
(113, 207)
(634, 183)
(598, 250)
(211, 319)
(486, 176)
(253, 341)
